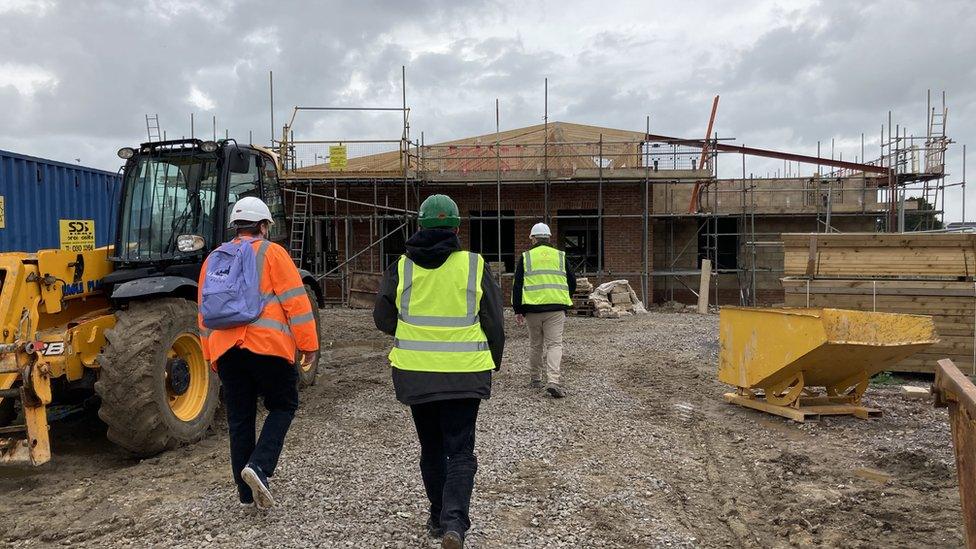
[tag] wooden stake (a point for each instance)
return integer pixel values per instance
(706, 275)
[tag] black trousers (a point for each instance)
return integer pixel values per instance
(447, 462)
(245, 376)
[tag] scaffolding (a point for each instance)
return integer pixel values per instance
(674, 183)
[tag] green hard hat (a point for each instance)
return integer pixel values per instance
(439, 210)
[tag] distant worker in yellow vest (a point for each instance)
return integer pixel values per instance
(444, 312)
(541, 295)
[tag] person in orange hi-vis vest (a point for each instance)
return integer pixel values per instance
(257, 359)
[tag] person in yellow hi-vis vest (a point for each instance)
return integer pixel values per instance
(540, 297)
(444, 312)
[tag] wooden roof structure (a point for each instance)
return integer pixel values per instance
(567, 148)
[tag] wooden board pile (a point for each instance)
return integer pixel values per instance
(923, 273)
(582, 306)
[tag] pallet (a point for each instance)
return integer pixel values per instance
(809, 409)
(582, 307)
(581, 301)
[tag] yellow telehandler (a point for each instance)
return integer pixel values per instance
(119, 322)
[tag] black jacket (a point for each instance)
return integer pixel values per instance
(520, 280)
(429, 248)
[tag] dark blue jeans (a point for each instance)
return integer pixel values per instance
(245, 376)
(447, 462)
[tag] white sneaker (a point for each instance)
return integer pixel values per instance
(255, 478)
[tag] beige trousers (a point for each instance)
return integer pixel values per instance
(545, 341)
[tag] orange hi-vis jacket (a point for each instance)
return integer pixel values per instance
(287, 322)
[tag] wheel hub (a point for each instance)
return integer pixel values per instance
(177, 375)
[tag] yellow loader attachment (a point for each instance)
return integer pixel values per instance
(33, 447)
(784, 353)
(60, 334)
(53, 319)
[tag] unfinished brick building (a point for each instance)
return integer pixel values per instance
(623, 204)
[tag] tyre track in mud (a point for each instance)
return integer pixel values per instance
(775, 483)
(673, 387)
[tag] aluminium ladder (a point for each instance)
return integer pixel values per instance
(299, 219)
(152, 128)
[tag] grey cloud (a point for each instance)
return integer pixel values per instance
(832, 70)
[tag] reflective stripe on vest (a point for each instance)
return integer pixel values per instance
(437, 326)
(544, 281)
(441, 346)
(443, 321)
(285, 296)
(259, 259)
(272, 325)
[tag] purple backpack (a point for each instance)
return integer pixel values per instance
(231, 295)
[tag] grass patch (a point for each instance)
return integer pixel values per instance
(885, 378)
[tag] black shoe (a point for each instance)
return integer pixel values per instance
(434, 530)
(452, 540)
(555, 391)
(258, 481)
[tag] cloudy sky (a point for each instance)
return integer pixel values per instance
(78, 77)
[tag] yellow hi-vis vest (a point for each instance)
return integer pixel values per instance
(438, 328)
(545, 277)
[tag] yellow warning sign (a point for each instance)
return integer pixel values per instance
(337, 157)
(3, 214)
(77, 235)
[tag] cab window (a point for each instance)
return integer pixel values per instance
(243, 184)
(272, 196)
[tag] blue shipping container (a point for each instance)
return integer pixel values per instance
(38, 193)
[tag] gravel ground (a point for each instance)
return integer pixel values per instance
(643, 453)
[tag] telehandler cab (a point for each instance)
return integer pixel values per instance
(120, 322)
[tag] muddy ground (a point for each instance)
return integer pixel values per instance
(644, 453)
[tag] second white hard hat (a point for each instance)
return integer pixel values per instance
(540, 229)
(250, 208)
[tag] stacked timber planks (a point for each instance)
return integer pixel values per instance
(925, 273)
(872, 255)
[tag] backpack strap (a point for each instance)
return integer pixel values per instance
(259, 263)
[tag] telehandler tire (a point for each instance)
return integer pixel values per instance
(156, 388)
(307, 375)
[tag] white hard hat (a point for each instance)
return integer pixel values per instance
(540, 229)
(250, 208)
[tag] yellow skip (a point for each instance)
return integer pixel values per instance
(785, 352)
